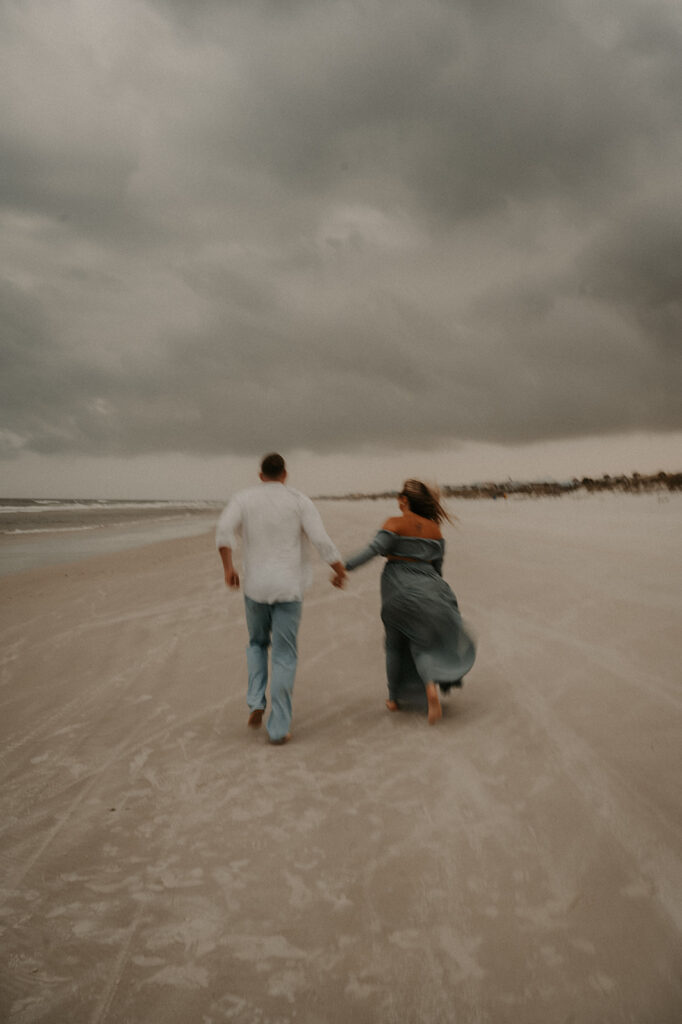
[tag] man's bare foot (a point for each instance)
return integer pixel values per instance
(435, 710)
(391, 705)
(255, 718)
(284, 739)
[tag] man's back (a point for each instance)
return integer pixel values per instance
(272, 520)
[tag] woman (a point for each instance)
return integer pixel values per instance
(426, 644)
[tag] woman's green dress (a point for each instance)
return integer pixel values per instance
(425, 638)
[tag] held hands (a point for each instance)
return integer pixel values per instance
(339, 577)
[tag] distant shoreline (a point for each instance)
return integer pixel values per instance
(115, 511)
(20, 516)
(635, 484)
(33, 538)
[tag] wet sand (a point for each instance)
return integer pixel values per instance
(519, 862)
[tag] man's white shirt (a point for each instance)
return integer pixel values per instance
(273, 521)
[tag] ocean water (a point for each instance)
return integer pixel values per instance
(36, 532)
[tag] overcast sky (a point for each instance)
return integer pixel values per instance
(353, 229)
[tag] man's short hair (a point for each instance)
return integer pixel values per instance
(273, 466)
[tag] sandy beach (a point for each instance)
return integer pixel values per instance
(519, 862)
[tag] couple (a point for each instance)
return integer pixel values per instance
(427, 647)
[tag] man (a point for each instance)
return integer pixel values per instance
(273, 521)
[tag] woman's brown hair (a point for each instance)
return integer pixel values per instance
(424, 501)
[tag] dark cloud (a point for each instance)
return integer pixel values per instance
(636, 268)
(337, 223)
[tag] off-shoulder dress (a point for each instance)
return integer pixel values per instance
(425, 638)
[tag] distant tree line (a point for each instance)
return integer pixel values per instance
(634, 484)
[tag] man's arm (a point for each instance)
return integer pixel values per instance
(228, 525)
(316, 533)
(231, 574)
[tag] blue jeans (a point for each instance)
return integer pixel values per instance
(276, 625)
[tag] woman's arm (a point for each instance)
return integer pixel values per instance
(380, 545)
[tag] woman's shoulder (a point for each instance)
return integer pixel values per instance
(392, 524)
(412, 525)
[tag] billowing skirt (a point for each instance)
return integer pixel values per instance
(425, 638)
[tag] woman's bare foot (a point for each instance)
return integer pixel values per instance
(435, 710)
(391, 705)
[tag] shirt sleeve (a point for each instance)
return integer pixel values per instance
(314, 530)
(229, 525)
(380, 545)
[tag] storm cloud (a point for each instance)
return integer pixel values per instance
(331, 223)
